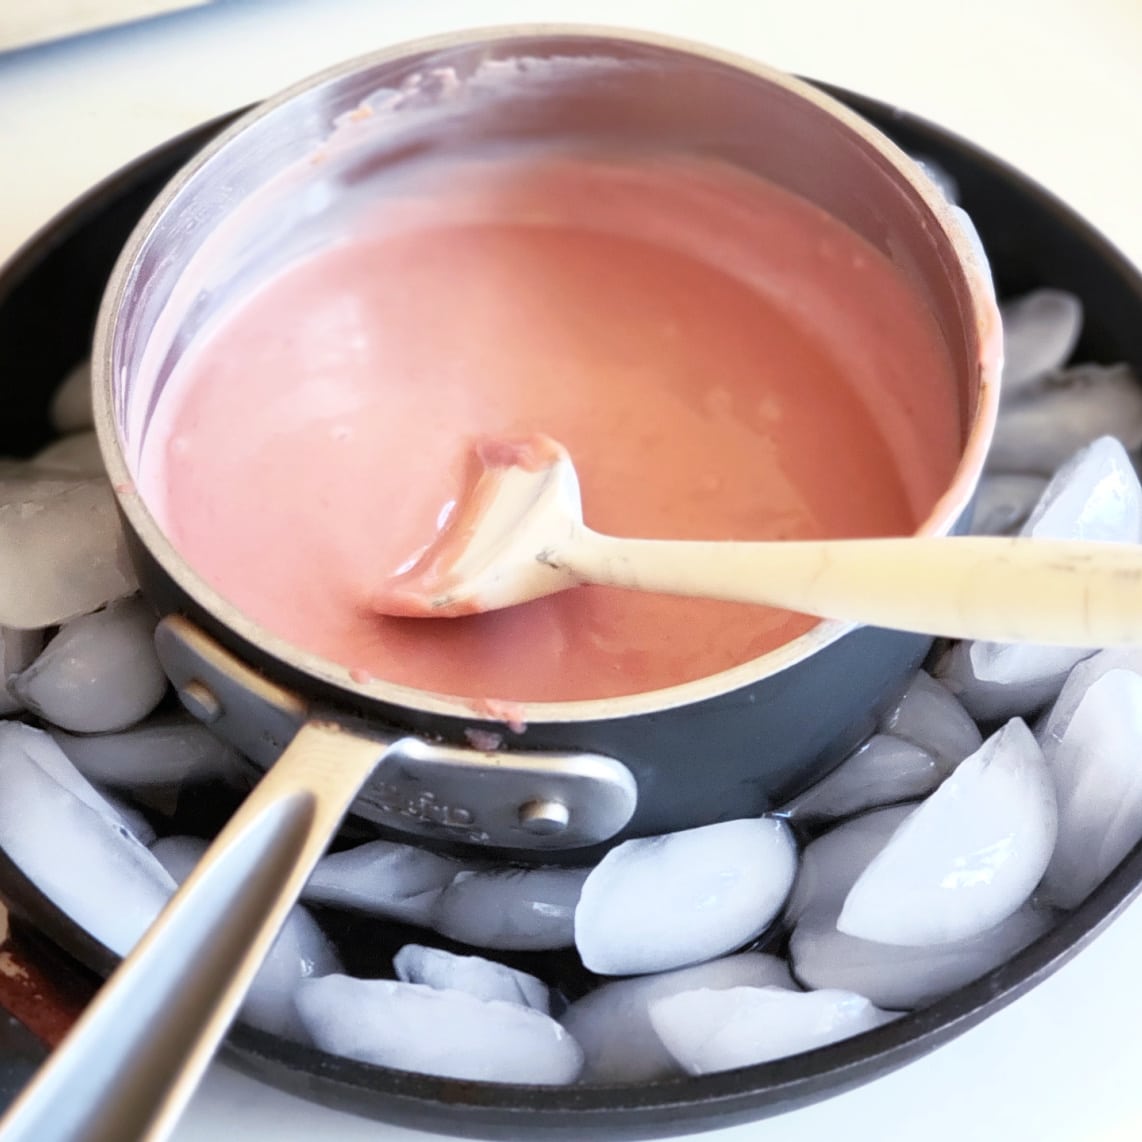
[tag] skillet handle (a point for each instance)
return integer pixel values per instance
(131, 1063)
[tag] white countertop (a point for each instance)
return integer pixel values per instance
(38, 21)
(1053, 86)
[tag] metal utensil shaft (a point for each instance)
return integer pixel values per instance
(131, 1063)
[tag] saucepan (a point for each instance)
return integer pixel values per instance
(569, 778)
(197, 246)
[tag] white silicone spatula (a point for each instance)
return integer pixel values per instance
(518, 534)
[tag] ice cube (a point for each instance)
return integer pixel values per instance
(446, 1033)
(1094, 496)
(1004, 501)
(179, 854)
(77, 453)
(892, 977)
(612, 1023)
(18, 650)
(997, 681)
(382, 878)
(1040, 331)
(1097, 765)
(72, 845)
(1063, 412)
(884, 770)
(929, 715)
(708, 1031)
(898, 978)
(659, 903)
(523, 909)
(71, 408)
(1054, 723)
(133, 817)
(831, 863)
(968, 857)
(166, 750)
(99, 673)
(42, 750)
(62, 552)
(474, 975)
(301, 951)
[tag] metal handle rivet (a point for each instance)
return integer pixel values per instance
(200, 701)
(544, 817)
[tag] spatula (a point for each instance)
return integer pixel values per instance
(518, 534)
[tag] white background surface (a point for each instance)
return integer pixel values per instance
(24, 22)
(1053, 86)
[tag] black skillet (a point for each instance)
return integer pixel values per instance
(48, 297)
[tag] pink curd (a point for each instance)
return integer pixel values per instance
(721, 359)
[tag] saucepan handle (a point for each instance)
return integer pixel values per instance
(529, 801)
(131, 1063)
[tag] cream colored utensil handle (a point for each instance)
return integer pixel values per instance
(129, 1066)
(1005, 590)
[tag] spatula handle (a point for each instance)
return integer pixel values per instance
(1004, 590)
